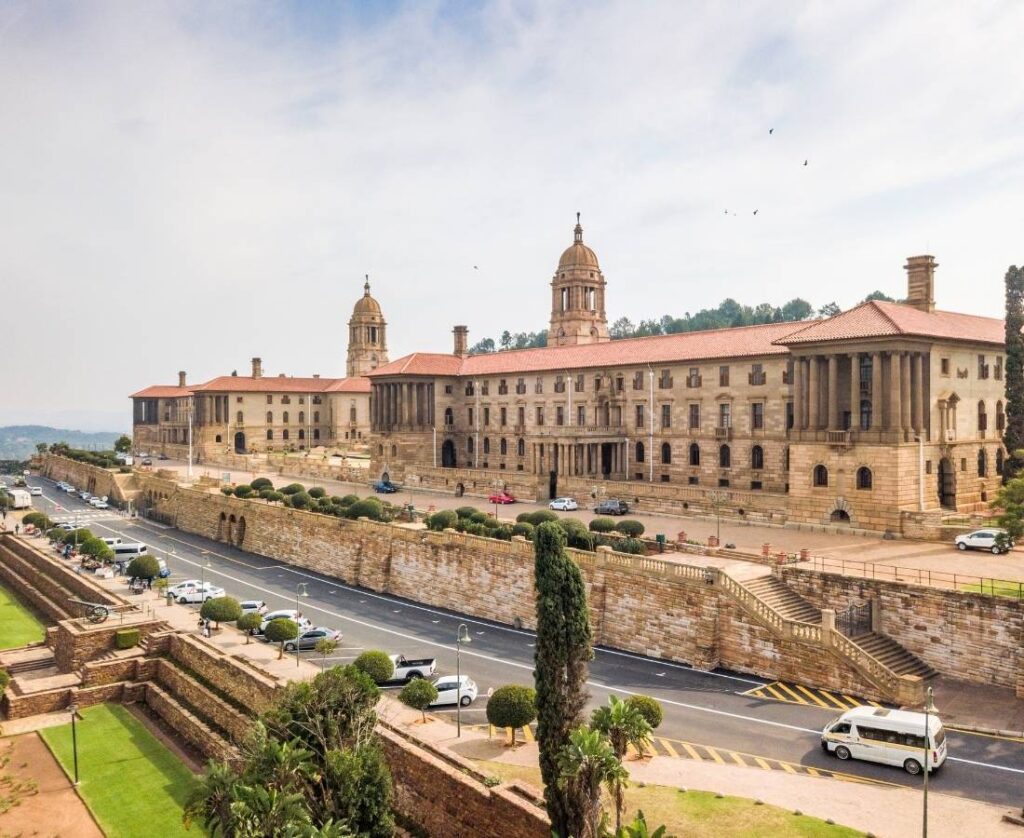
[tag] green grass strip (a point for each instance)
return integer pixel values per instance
(134, 786)
(18, 625)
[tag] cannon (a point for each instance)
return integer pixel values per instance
(95, 612)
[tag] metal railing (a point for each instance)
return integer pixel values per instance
(921, 576)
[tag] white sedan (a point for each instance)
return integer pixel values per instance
(450, 692)
(197, 594)
(982, 540)
(564, 505)
(36, 491)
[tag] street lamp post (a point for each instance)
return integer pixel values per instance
(73, 710)
(463, 637)
(202, 582)
(929, 710)
(300, 590)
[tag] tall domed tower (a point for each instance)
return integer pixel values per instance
(577, 296)
(367, 339)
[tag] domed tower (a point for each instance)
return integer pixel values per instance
(577, 296)
(367, 339)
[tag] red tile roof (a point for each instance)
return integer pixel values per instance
(740, 342)
(881, 319)
(159, 391)
(265, 384)
(357, 384)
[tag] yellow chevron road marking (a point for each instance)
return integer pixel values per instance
(787, 768)
(834, 700)
(668, 747)
(528, 734)
(810, 695)
(775, 693)
(691, 751)
(796, 697)
(762, 763)
(737, 758)
(714, 755)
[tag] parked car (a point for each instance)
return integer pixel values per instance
(450, 692)
(163, 457)
(65, 525)
(207, 591)
(612, 507)
(982, 540)
(84, 495)
(501, 497)
(563, 505)
(385, 487)
(283, 614)
(183, 587)
(101, 504)
(36, 491)
(253, 606)
(308, 639)
(407, 670)
(95, 501)
(147, 462)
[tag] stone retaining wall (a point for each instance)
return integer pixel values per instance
(77, 642)
(188, 726)
(244, 683)
(98, 481)
(210, 706)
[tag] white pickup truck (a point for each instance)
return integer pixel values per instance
(407, 670)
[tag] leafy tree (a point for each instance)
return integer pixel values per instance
(1009, 503)
(630, 527)
(585, 765)
(601, 525)
(261, 483)
(418, 694)
(443, 519)
(829, 310)
(243, 490)
(95, 548)
(123, 444)
(648, 707)
(42, 447)
(280, 631)
(292, 488)
(376, 664)
(482, 347)
(77, 536)
(143, 567)
(621, 328)
(796, 309)
(248, 623)
(366, 508)
(624, 725)
(505, 341)
(222, 609)
(39, 520)
(880, 296)
(325, 646)
(560, 667)
(1013, 436)
(512, 706)
(317, 492)
(301, 500)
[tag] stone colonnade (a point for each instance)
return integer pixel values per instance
(579, 459)
(897, 383)
(402, 404)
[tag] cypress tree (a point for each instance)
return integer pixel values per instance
(562, 653)
(1013, 437)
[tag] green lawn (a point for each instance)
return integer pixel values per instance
(131, 783)
(996, 588)
(18, 626)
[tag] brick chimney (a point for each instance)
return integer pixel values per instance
(181, 378)
(921, 282)
(257, 368)
(461, 340)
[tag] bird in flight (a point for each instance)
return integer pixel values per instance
(805, 162)
(475, 268)
(771, 130)
(755, 212)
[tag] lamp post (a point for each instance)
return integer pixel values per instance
(73, 710)
(300, 590)
(929, 710)
(463, 637)
(202, 582)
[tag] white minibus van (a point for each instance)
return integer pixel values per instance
(111, 541)
(129, 550)
(891, 737)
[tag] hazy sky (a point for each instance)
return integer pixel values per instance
(186, 185)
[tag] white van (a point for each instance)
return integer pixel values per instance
(128, 549)
(891, 737)
(111, 541)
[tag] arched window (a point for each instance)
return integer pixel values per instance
(982, 417)
(284, 434)
(1000, 417)
(302, 433)
(666, 453)
(449, 418)
(863, 478)
(503, 446)
(285, 417)
(394, 450)
(757, 458)
(238, 417)
(270, 418)
(999, 460)
(217, 438)
(316, 417)
(487, 445)
(469, 445)
(694, 454)
(820, 475)
(724, 457)
(316, 433)
(521, 448)
(380, 450)
(302, 417)
(270, 434)
(639, 452)
(982, 462)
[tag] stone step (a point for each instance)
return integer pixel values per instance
(783, 599)
(31, 665)
(893, 655)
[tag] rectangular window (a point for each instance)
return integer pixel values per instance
(638, 380)
(502, 387)
(504, 416)
(540, 415)
(485, 388)
(757, 375)
(521, 416)
(487, 416)
(538, 386)
(597, 383)
(982, 367)
(447, 389)
(665, 478)
(723, 482)
(665, 380)
(723, 376)
(666, 416)
(944, 366)
(521, 386)
(559, 384)
(639, 415)
(693, 378)
(238, 399)
(619, 384)
(693, 480)
(270, 399)
(694, 417)
(469, 413)
(581, 415)
(579, 383)
(725, 415)
(755, 484)
(757, 416)
(789, 416)
(559, 415)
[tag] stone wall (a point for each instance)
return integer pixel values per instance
(443, 794)
(20, 576)
(98, 481)
(97, 673)
(240, 681)
(19, 705)
(209, 705)
(187, 725)
(974, 637)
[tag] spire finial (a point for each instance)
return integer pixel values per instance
(366, 287)
(578, 232)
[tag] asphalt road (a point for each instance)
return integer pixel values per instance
(704, 708)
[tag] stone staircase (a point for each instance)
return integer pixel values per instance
(783, 599)
(894, 656)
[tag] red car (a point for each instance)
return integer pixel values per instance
(501, 497)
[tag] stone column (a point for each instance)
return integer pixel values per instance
(876, 391)
(814, 394)
(798, 394)
(917, 393)
(904, 391)
(854, 391)
(893, 422)
(833, 392)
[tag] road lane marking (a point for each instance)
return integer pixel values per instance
(981, 733)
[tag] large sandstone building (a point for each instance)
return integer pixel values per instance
(857, 419)
(259, 413)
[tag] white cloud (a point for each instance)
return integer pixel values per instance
(187, 186)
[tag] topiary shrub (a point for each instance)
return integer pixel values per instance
(317, 492)
(376, 664)
(222, 609)
(143, 567)
(267, 494)
(647, 707)
(478, 517)
(79, 535)
(476, 529)
(442, 520)
(126, 638)
(512, 706)
(261, 483)
(630, 545)
(227, 491)
(576, 534)
(503, 532)
(37, 520)
(300, 500)
(275, 497)
(292, 488)
(541, 516)
(337, 500)
(96, 549)
(466, 511)
(418, 694)
(243, 490)
(5, 679)
(489, 523)
(348, 500)
(281, 631)
(366, 508)
(524, 518)
(601, 525)
(630, 527)
(523, 528)
(248, 623)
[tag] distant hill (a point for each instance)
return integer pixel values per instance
(18, 442)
